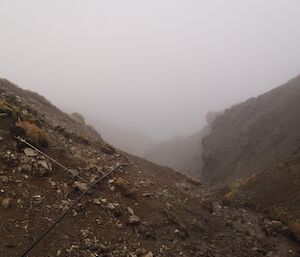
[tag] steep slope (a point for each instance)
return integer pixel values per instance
(250, 136)
(38, 105)
(182, 153)
(274, 191)
(141, 209)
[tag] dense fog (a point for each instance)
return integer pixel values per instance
(148, 68)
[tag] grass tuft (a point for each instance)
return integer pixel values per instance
(33, 133)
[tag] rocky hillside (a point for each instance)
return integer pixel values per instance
(250, 136)
(182, 153)
(42, 110)
(253, 149)
(139, 209)
(274, 191)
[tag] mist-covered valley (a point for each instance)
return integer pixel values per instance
(150, 128)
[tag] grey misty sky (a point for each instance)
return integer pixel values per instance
(156, 66)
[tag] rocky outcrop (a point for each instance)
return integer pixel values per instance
(250, 136)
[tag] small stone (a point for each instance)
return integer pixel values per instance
(84, 232)
(74, 173)
(141, 251)
(119, 224)
(133, 220)
(45, 164)
(53, 184)
(58, 253)
(97, 201)
(65, 189)
(101, 248)
(41, 168)
(147, 195)
(111, 206)
(81, 186)
(4, 179)
(276, 225)
(6, 203)
(103, 200)
(149, 254)
(37, 199)
(25, 168)
(130, 210)
(29, 152)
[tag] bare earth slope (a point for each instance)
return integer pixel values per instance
(250, 136)
(139, 210)
(275, 192)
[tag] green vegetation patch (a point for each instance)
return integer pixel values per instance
(15, 113)
(237, 185)
(10, 110)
